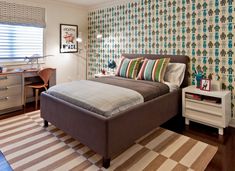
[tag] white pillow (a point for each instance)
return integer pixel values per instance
(175, 73)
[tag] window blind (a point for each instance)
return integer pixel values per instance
(19, 14)
(20, 41)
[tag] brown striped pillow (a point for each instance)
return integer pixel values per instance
(128, 68)
(153, 70)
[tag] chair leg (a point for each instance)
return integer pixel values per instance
(36, 98)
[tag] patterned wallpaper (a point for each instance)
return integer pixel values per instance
(202, 29)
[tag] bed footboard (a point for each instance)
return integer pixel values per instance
(85, 126)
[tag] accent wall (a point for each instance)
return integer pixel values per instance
(202, 29)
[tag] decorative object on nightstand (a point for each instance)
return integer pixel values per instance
(205, 84)
(112, 64)
(199, 76)
(212, 108)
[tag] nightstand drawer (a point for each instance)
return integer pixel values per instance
(210, 108)
(10, 101)
(203, 117)
(10, 79)
(11, 90)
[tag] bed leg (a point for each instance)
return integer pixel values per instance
(106, 162)
(45, 124)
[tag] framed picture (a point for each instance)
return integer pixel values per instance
(205, 84)
(68, 35)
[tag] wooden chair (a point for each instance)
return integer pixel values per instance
(45, 75)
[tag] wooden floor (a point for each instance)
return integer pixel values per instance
(224, 160)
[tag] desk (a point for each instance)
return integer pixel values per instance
(12, 85)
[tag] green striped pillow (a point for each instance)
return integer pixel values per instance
(128, 67)
(153, 70)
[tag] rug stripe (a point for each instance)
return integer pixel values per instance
(95, 158)
(163, 145)
(21, 136)
(167, 165)
(155, 163)
(150, 137)
(175, 146)
(18, 130)
(74, 163)
(84, 165)
(33, 151)
(12, 121)
(141, 164)
(180, 167)
(193, 154)
(159, 139)
(203, 159)
(23, 140)
(36, 158)
(28, 143)
(33, 113)
(183, 150)
(133, 159)
(52, 158)
(12, 127)
(124, 156)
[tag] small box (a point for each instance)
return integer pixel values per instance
(215, 85)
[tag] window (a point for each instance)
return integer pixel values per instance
(17, 42)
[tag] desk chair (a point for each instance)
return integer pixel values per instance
(45, 75)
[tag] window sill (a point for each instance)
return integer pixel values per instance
(19, 63)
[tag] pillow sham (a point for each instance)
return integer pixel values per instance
(153, 70)
(175, 73)
(128, 68)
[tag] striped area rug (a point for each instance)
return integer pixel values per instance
(28, 146)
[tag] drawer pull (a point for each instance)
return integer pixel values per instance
(4, 99)
(4, 89)
(3, 78)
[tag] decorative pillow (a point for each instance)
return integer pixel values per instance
(175, 73)
(153, 70)
(128, 67)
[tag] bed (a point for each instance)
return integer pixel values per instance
(109, 136)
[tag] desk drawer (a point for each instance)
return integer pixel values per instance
(10, 101)
(11, 90)
(10, 79)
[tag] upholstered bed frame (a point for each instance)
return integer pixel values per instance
(111, 136)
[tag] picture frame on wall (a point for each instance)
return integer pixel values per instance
(68, 35)
(205, 85)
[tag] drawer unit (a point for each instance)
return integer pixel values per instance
(11, 88)
(210, 108)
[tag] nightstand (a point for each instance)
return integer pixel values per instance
(212, 108)
(108, 74)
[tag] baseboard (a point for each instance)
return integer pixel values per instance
(232, 122)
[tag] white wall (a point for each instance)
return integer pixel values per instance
(70, 66)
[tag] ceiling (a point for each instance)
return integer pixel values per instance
(87, 3)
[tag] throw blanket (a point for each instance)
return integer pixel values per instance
(103, 99)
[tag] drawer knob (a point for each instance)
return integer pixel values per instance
(4, 89)
(3, 78)
(4, 99)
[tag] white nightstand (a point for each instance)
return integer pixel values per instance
(212, 108)
(98, 75)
